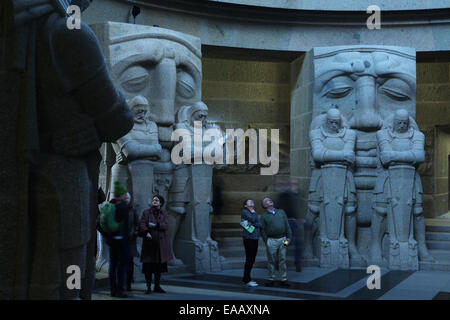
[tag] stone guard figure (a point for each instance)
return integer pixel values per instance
(190, 202)
(333, 187)
(59, 104)
(398, 193)
(136, 155)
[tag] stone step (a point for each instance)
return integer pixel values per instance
(218, 234)
(226, 225)
(228, 242)
(239, 251)
(437, 228)
(226, 218)
(260, 262)
(438, 245)
(438, 236)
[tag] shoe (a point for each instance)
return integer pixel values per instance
(270, 283)
(298, 268)
(158, 289)
(113, 294)
(148, 291)
(285, 284)
(251, 284)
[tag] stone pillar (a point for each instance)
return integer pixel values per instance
(367, 84)
(164, 67)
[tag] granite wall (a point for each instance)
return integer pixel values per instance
(247, 92)
(433, 118)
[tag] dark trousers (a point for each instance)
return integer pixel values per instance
(118, 263)
(148, 278)
(130, 271)
(251, 249)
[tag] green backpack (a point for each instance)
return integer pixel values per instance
(108, 221)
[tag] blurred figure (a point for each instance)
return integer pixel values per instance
(288, 201)
(118, 243)
(133, 231)
(251, 238)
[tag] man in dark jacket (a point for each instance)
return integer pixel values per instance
(277, 235)
(119, 250)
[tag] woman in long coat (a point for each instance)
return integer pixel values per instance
(156, 249)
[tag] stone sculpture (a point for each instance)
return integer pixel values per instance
(368, 84)
(398, 193)
(190, 201)
(136, 158)
(164, 67)
(332, 188)
(58, 107)
(137, 154)
(161, 65)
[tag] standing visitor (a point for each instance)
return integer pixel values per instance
(250, 236)
(133, 228)
(118, 243)
(156, 249)
(276, 234)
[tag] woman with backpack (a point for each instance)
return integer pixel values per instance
(115, 228)
(156, 248)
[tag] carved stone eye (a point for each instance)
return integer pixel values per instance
(185, 84)
(396, 95)
(396, 89)
(338, 87)
(134, 79)
(337, 93)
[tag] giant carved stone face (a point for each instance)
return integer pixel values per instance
(164, 66)
(367, 83)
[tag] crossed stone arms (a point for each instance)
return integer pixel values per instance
(415, 155)
(323, 154)
(133, 149)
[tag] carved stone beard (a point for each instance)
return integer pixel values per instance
(398, 129)
(143, 126)
(407, 134)
(339, 133)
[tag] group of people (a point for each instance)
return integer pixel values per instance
(277, 231)
(156, 250)
(274, 226)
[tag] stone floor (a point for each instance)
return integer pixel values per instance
(312, 283)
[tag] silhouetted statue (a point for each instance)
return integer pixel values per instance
(59, 105)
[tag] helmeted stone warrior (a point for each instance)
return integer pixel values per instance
(191, 191)
(332, 188)
(398, 191)
(137, 154)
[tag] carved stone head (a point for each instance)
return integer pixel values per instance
(333, 120)
(140, 107)
(401, 121)
(162, 65)
(366, 83)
